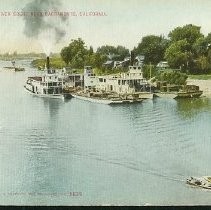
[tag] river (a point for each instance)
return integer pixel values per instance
(73, 152)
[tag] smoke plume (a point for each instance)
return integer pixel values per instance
(48, 30)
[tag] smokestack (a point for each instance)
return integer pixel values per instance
(48, 63)
(132, 58)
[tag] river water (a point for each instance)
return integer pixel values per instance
(55, 152)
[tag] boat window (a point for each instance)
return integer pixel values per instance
(104, 80)
(118, 82)
(101, 79)
(50, 91)
(54, 83)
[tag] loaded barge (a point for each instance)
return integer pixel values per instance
(127, 87)
(178, 91)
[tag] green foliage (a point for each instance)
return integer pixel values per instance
(188, 49)
(66, 55)
(200, 76)
(149, 71)
(113, 53)
(55, 62)
(189, 32)
(95, 59)
(177, 55)
(75, 53)
(172, 77)
(202, 63)
(153, 48)
(200, 47)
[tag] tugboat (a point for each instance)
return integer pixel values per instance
(50, 85)
(13, 67)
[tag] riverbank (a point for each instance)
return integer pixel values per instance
(204, 85)
(56, 62)
(200, 77)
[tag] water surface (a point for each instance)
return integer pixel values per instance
(133, 154)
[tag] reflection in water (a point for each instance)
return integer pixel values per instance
(52, 106)
(189, 108)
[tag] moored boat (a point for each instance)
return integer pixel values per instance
(189, 94)
(96, 100)
(103, 100)
(14, 67)
(19, 69)
(179, 91)
(204, 181)
(49, 85)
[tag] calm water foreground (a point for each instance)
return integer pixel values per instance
(55, 152)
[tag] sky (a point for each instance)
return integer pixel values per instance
(125, 23)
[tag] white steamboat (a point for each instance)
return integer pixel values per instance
(49, 85)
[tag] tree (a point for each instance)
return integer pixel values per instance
(173, 77)
(153, 48)
(187, 43)
(200, 47)
(177, 55)
(97, 60)
(66, 55)
(202, 64)
(113, 53)
(122, 52)
(189, 32)
(75, 53)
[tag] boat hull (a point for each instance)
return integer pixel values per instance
(189, 94)
(100, 101)
(179, 94)
(146, 95)
(54, 96)
(166, 95)
(104, 101)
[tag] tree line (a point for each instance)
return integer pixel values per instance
(77, 55)
(185, 48)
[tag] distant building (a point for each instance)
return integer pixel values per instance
(108, 64)
(162, 65)
(122, 64)
(139, 59)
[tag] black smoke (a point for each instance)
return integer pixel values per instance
(36, 24)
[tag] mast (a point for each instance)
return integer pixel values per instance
(150, 75)
(48, 64)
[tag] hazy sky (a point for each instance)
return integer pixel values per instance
(127, 21)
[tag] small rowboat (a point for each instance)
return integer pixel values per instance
(204, 182)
